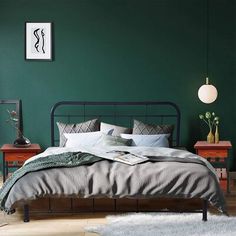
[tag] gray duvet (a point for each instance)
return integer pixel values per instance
(162, 176)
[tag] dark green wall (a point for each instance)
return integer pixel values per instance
(120, 50)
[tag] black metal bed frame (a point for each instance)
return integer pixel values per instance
(115, 115)
(113, 105)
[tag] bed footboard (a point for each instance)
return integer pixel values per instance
(26, 217)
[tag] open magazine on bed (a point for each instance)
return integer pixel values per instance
(125, 157)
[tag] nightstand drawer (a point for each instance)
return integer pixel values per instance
(20, 156)
(212, 153)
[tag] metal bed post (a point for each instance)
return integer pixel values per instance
(137, 205)
(26, 213)
(204, 210)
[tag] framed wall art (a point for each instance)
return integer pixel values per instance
(38, 41)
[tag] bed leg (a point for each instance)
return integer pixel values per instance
(26, 213)
(204, 210)
(93, 205)
(115, 208)
(137, 205)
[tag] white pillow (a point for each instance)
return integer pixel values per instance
(113, 130)
(155, 140)
(83, 139)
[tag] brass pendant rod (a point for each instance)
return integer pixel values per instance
(207, 38)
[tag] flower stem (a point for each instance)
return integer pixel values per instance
(206, 122)
(209, 123)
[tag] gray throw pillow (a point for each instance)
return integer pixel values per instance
(109, 140)
(84, 127)
(142, 128)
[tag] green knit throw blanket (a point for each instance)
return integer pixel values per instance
(68, 159)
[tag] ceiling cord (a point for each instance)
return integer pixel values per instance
(207, 38)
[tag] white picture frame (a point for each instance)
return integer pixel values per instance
(38, 41)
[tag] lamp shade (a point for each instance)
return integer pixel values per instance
(207, 93)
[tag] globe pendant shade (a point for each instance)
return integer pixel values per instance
(207, 93)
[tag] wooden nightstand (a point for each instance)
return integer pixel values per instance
(216, 153)
(15, 157)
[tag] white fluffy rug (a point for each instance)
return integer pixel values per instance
(155, 224)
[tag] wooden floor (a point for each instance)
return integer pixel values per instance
(69, 225)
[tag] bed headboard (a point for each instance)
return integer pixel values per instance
(118, 113)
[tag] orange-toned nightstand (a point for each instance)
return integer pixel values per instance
(216, 153)
(15, 157)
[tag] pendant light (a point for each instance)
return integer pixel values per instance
(207, 93)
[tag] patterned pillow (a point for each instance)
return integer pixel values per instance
(84, 127)
(142, 128)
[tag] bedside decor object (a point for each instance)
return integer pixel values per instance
(217, 135)
(21, 140)
(18, 104)
(211, 120)
(38, 41)
(207, 93)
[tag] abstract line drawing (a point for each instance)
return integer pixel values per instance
(38, 41)
(43, 34)
(36, 45)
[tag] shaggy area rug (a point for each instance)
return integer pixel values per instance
(155, 224)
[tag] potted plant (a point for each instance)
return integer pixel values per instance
(13, 120)
(212, 121)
